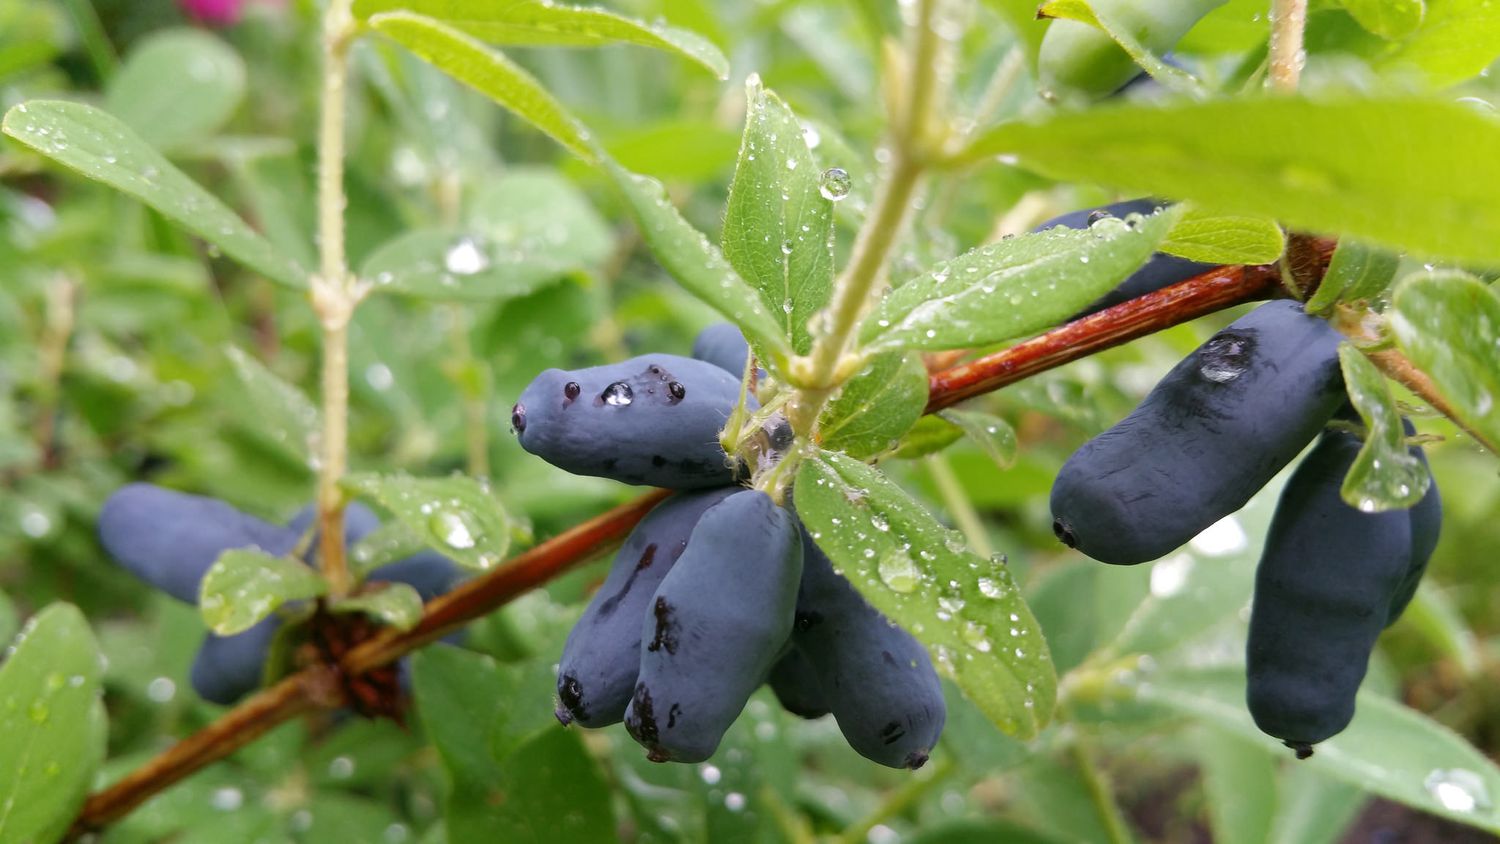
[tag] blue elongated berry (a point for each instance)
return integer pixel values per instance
(653, 419)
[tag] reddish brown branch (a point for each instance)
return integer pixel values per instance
(1185, 301)
(238, 727)
(309, 689)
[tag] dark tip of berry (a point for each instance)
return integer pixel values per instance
(572, 389)
(1064, 533)
(1301, 748)
(1098, 214)
(563, 716)
(656, 754)
(916, 759)
(518, 418)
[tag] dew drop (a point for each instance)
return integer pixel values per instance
(465, 257)
(834, 184)
(618, 394)
(1225, 357)
(452, 528)
(898, 572)
(1458, 790)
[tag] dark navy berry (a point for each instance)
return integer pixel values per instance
(1426, 525)
(1213, 432)
(795, 683)
(879, 680)
(715, 627)
(653, 419)
(1323, 593)
(724, 346)
(602, 657)
(227, 668)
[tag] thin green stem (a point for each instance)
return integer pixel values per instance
(956, 500)
(468, 373)
(912, 146)
(96, 44)
(334, 294)
(1100, 793)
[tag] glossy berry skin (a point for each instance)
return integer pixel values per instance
(653, 419)
(724, 346)
(597, 673)
(1158, 272)
(1212, 432)
(170, 539)
(715, 627)
(227, 668)
(795, 683)
(878, 678)
(1322, 595)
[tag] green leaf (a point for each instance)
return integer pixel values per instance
(539, 210)
(1218, 239)
(1458, 39)
(244, 586)
(207, 83)
(1357, 271)
(1433, 616)
(923, 577)
(1448, 324)
(930, 435)
(994, 436)
(453, 265)
(8, 620)
(455, 515)
(1389, 750)
(99, 146)
(1123, 32)
(1015, 287)
(778, 227)
(1406, 173)
(699, 266)
(281, 409)
(1239, 780)
(876, 407)
(1314, 808)
(542, 23)
(53, 723)
(516, 776)
(1389, 19)
(489, 72)
(386, 544)
(1385, 475)
(395, 604)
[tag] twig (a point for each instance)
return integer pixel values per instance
(245, 723)
(1203, 294)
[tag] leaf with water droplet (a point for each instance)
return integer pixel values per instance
(395, 604)
(901, 559)
(532, 24)
(456, 516)
(55, 741)
(278, 408)
(994, 436)
(778, 227)
(1385, 475)
(930, 435)
(244, 586)
(443, 264)
(1448, 324)
(876, 407)
(1012, 288)
(104, 149)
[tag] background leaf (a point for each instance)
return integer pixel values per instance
(1217, 239)
(1357, 271)
(1390, 19)
(537, 23)
(99, 146)
(1405, 173)
(282, 410)
(922, 576)
(994, 436)
(394, 604)
(207, 85)
(455, 265)
(53, 723)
